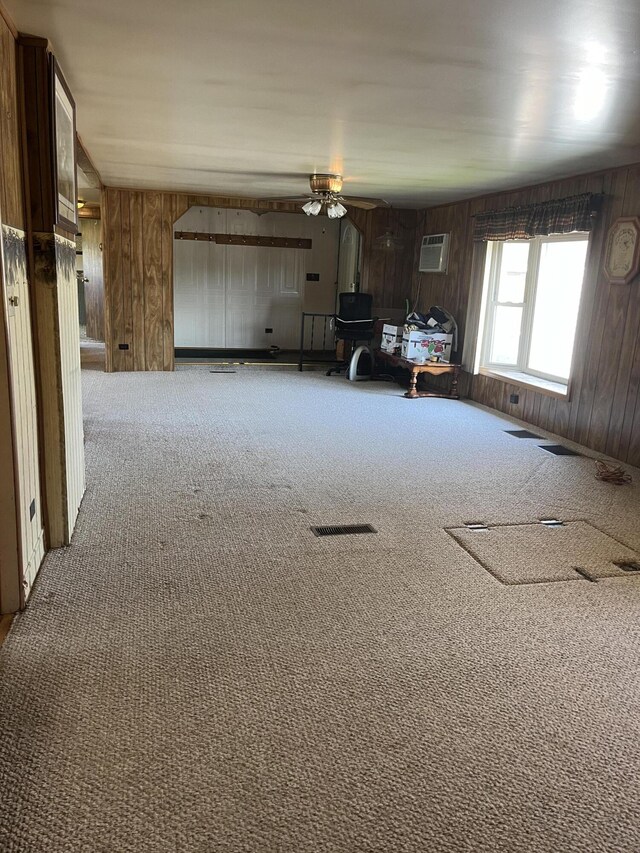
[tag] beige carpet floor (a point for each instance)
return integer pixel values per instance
(198, 673)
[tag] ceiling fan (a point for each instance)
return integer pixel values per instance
(326, 194)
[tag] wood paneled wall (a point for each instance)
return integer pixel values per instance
(94, 282)
(34, 79)
(21, 529)
(11, 197)
(11, 211)
(138, 268)
(387, 273)
(603, 410)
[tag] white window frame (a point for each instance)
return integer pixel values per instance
(491, 303)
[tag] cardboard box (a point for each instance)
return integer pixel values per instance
(392, 338)
(423, 346)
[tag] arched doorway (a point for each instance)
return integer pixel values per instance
(247, 297)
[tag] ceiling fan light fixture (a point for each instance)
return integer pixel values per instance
(326, 193)
(388, 241)
(336, 210)
(312, 208)
(325, 183)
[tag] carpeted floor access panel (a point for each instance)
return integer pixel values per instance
(543, 553)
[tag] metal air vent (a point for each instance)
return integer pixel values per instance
(343, 529)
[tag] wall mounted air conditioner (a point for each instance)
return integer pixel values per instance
(434, 253)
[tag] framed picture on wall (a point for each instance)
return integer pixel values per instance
(64, 153)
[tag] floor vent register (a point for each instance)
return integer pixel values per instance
(343, 529)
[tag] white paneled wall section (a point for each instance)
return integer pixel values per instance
(23, 393)
(227, 296)
(71, 379)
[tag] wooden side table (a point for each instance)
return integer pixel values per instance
(435, 368)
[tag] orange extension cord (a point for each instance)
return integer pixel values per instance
(611, 473)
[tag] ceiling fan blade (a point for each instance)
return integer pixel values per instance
(290, 198)
(364, 203)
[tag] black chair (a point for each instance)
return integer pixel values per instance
(354, 322)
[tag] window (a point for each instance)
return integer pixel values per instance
(532, 298)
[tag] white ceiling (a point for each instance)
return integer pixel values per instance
(417, 101)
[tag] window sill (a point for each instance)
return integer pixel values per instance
(525, 380)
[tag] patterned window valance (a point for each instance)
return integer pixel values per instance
(560, 216)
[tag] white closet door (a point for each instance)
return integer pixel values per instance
(286, 272)
(241, 322)
(200, 294)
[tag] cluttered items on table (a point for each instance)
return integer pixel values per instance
(430, 337)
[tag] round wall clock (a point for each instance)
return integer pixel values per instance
(622, 253)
